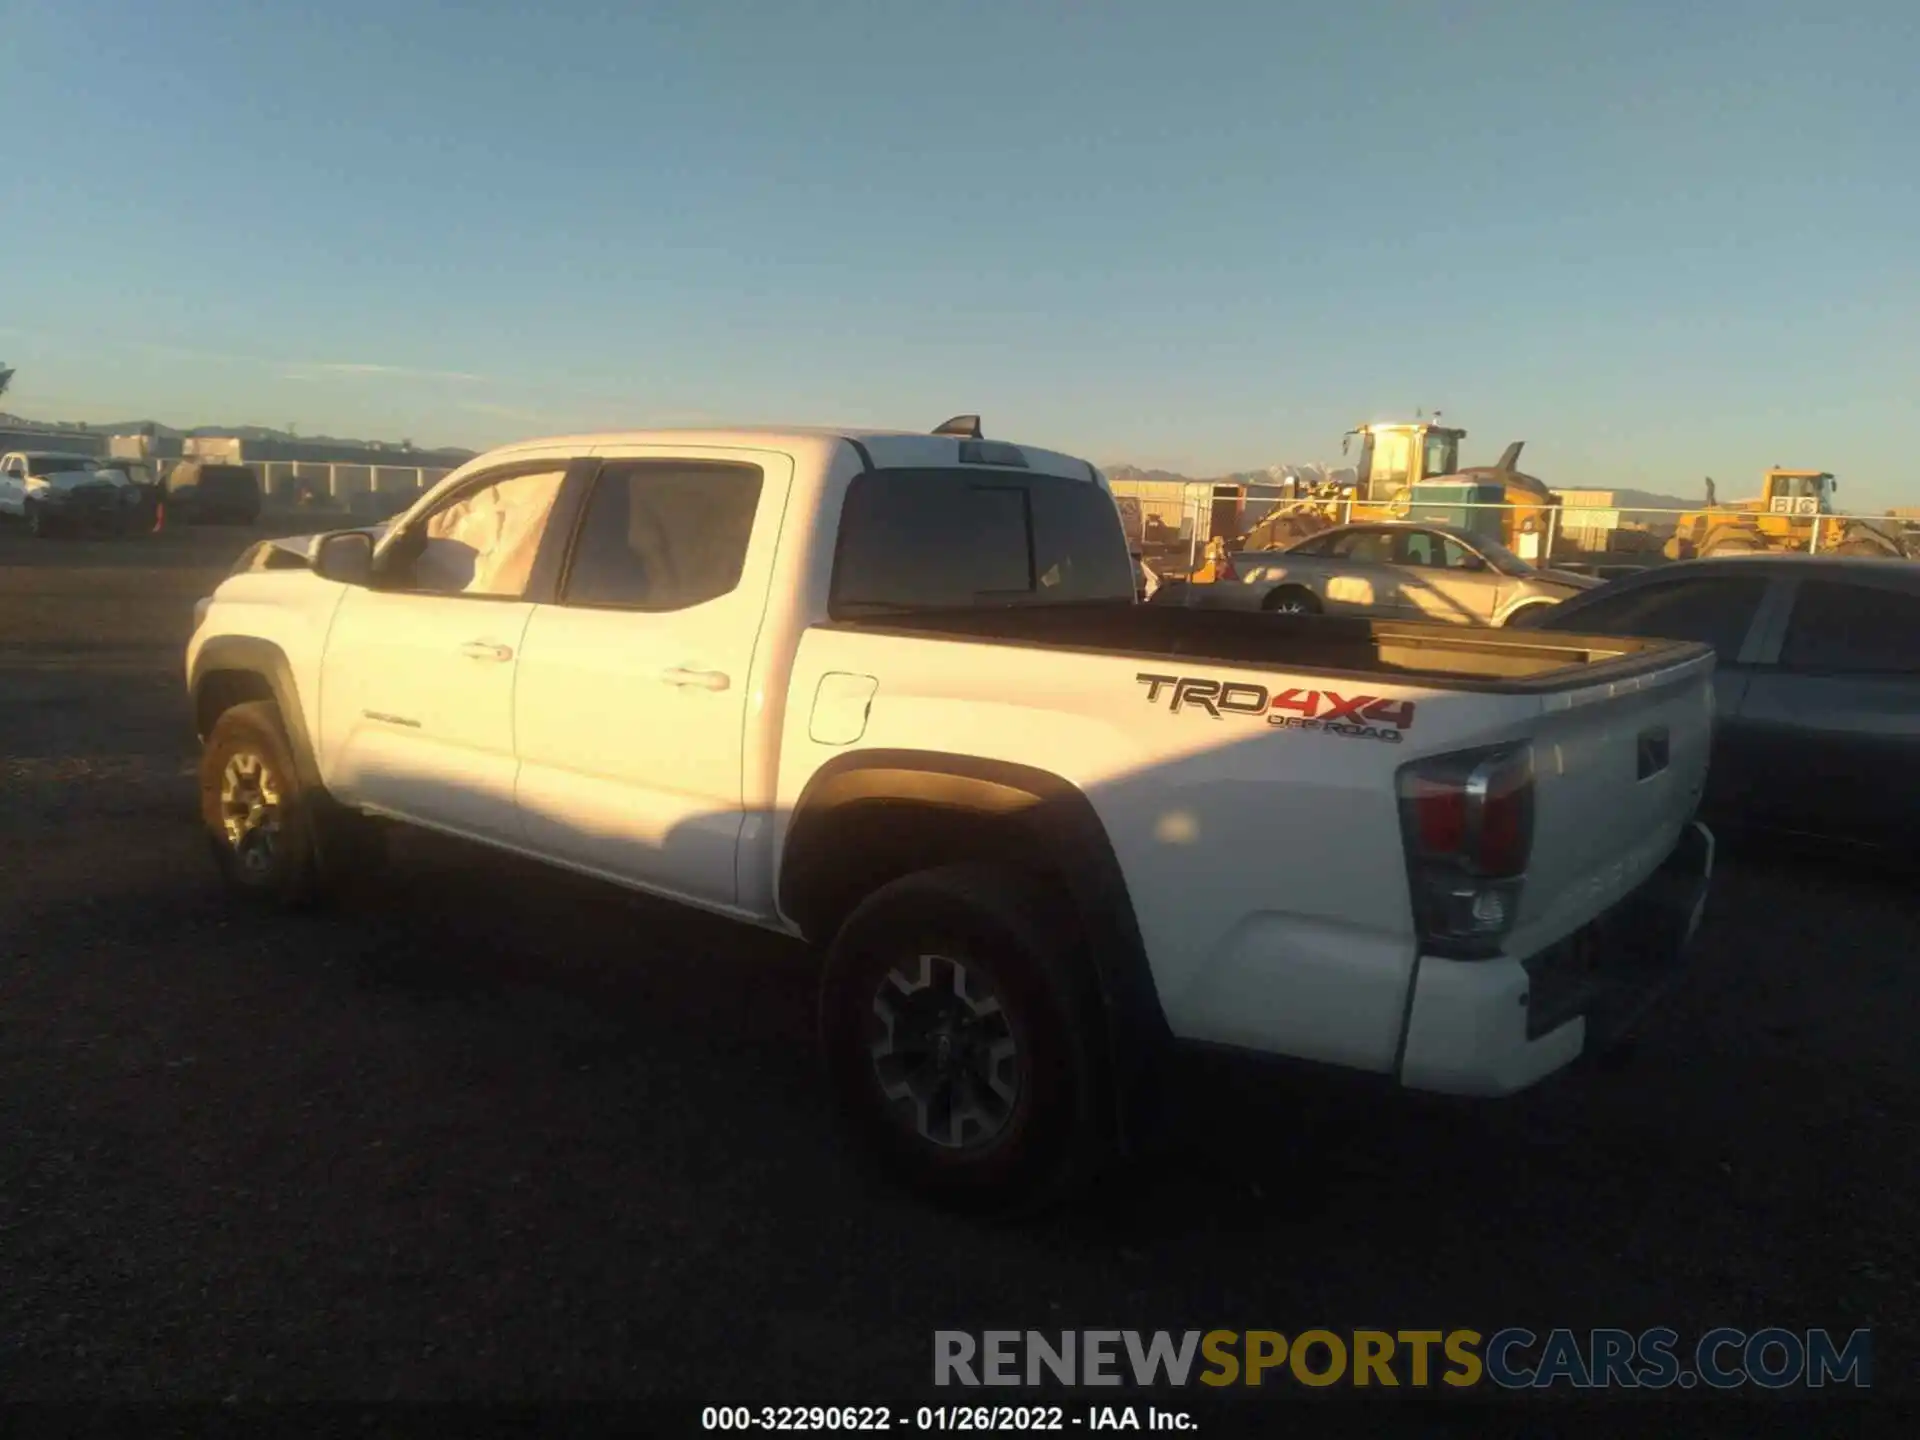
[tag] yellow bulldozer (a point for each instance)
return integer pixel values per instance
(1411, 469)
(1794, 512)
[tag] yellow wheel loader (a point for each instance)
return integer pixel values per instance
(1794, 512)
(1412, 470)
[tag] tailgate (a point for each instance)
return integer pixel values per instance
(1619, 769)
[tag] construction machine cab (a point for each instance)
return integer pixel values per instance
(1799, 492)
(1396, 455)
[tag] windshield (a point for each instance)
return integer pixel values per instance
(1501, 558)
(1442, 454)
(57, 464)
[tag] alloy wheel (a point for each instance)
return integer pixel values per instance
(946, 1057)
(250, 812)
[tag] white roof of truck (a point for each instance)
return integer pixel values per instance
(888, 447)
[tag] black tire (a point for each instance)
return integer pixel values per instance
(1527, 616)
(1020, 959)
(40, 525)
(314, 846)
(1291, 600)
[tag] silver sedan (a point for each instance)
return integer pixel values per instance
(1397, 570)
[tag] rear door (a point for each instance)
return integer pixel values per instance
(1728, 612)
(634, 689)
(1833, 727)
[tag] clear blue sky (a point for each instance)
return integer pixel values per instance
(1654, 240)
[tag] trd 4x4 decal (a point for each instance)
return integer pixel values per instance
(1357, 717)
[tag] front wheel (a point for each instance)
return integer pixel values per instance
(39, 524)
(275, 840)
(960, 1034)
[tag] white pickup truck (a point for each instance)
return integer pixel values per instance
(893, 693)
(55, 492)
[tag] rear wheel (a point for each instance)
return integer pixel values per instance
(1291, 600)
(1527, 616)
(961, 1037)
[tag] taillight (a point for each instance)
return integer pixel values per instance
(1467, 820)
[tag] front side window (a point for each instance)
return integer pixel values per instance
(1439, 552)
(1368, 547)
(663, 535)
(1715, 611)
(483, 542)
(954, 538)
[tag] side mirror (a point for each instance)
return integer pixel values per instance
(346, 558)
(1472, 563)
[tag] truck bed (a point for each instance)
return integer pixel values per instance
(1453, 656)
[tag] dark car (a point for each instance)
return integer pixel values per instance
(1817, 688)
(205, 492)
(139, 474)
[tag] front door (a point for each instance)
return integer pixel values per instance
(1362, 578)
(1448, 581)
(636, 685)
(416, 691)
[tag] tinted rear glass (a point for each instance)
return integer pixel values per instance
(1853, 629)
(954, 538)
(1717, 610)
(236, 479)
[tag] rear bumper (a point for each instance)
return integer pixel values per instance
(1492, 1027)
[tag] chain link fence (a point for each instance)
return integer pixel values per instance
(1171, 526)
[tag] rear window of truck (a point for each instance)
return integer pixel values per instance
(944, 539)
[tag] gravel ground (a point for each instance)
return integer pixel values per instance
(489, 1132)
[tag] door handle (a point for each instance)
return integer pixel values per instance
(486, 650)
(696, 679)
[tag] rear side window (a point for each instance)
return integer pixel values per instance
(1852, 629)
(952, 538)
(1715, 610)
(663, 534)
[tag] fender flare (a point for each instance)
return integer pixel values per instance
(252, 655)
(1062, 824)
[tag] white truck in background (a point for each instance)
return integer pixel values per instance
(893, 693)
(54, 492)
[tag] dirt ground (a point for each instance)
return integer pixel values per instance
(493, 1132)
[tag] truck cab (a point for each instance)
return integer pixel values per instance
(1799, 492)
(1394, 456)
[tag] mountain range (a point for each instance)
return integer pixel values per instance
(242, 432)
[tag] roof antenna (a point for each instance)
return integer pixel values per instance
(967, 427)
